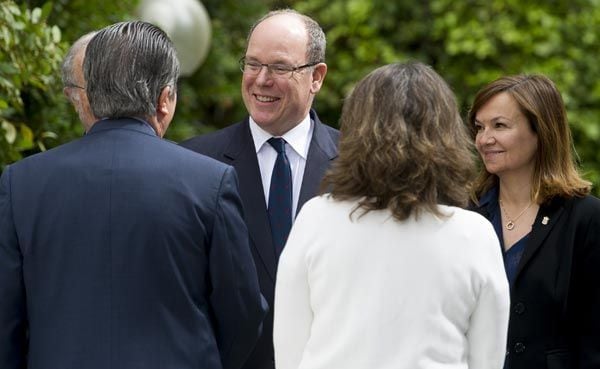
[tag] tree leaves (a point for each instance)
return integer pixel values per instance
(30, 56)
(468, 42)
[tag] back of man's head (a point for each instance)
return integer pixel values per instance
(126, 67)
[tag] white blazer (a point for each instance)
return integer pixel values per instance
(376, 293)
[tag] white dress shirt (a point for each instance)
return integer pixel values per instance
(377, 293)
(298, 141)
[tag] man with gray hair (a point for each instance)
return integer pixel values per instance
(121, 250)
(73, 82)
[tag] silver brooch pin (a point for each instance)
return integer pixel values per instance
(545, 220)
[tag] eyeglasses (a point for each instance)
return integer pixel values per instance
(280, 70)
(72, 85)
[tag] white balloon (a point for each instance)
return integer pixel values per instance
(187, 24)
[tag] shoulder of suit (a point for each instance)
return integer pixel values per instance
(49, 157)
(334, 132)
(587, 205)
(575, 210)
(212, 141)
(193, 160)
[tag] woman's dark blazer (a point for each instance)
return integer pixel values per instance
(555, 299)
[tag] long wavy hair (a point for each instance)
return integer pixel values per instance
(555, 171)
(403, 145)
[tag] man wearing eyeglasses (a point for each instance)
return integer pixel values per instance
(73, 81)
(281, 151)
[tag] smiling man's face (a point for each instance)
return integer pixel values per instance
(278, 103)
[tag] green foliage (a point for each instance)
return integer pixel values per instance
(78, 17)
(469, 43)
(34, 115)
(211, 97)
(558, 39)
(30, 54)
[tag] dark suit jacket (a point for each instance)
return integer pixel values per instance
(234, 145)
(555, 299)
(121, 250)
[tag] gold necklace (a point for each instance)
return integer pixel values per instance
(511, 222)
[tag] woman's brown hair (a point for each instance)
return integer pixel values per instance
(403, 145)
(555, 172)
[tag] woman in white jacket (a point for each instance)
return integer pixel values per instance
(388, 271)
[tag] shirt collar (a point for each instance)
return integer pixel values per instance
(296, 137)
(490, 197)
(126, 122)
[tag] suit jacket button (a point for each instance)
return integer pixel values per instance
(519, 348)
(519, 308)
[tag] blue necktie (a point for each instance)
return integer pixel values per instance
(280, 196)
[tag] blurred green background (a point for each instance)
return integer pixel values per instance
(468, 42)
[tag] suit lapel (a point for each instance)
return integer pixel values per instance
(321, 152)
(547, 217)
(241, 154)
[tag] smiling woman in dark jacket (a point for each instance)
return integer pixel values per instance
(547, 223)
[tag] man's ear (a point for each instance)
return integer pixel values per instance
(165, 109)
(318, 76)
(165, 102)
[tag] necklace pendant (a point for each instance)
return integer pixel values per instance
(510, 225)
